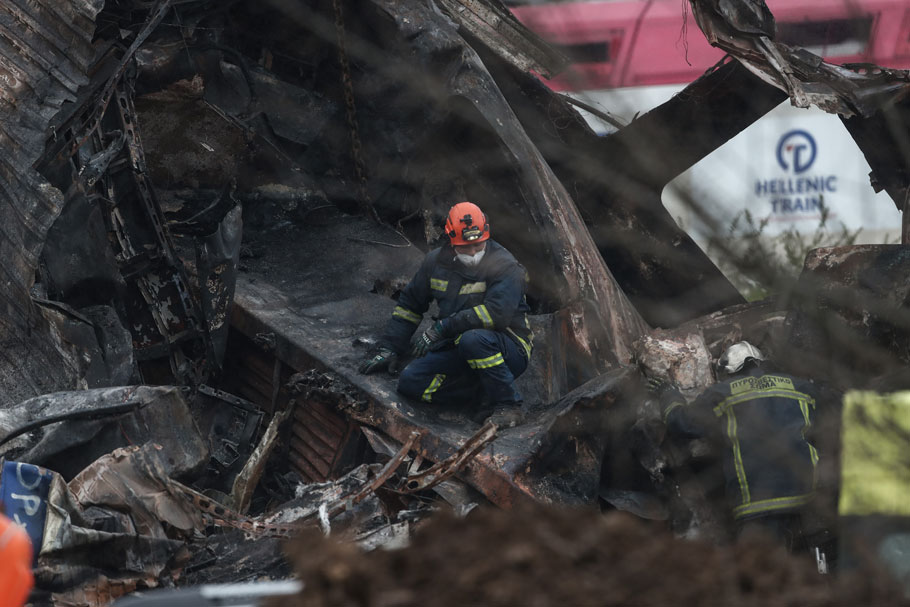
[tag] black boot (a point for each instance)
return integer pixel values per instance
(507, 414)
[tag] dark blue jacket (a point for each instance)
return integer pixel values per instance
(760, 421)
(490, 295)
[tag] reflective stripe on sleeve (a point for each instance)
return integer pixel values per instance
(486, 363)
(473, 287)
(406, 314)
(484, 315)
(431, 389)
(437, 284)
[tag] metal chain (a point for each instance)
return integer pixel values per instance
(348, 85)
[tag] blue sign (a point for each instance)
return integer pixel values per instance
(23, 490)
(797, 195)
(796, 151)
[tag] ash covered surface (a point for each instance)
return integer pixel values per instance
(535, 556)
(229, 558)
(319, 255)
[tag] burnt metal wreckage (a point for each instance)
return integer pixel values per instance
(160, 379)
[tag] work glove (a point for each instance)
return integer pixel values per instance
(383, 359)
(426, 341)
(658, 386)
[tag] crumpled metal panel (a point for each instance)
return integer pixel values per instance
(745, 29)
(497, 28)
(882, 138)
(114, 528)
(746, 17)
(45, 51)
(95, 151)
(162, 417)
(850, 320)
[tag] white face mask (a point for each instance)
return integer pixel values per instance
(471, 260)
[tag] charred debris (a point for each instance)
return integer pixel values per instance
(208, 206)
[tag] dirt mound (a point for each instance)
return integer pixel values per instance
(557, 557)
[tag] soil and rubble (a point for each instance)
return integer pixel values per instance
(208, 209)
(566, 557)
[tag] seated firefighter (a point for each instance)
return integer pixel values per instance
(756, 422)
(481, 340)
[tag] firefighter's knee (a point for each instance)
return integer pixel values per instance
(474, 342)
(409, 382)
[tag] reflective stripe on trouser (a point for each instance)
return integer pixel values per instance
(459, 381)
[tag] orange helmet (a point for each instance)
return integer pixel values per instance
(15, 563)
(466, 223)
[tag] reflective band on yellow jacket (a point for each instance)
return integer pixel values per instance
(486, 363)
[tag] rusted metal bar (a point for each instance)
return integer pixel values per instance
(385, 474)
(437, 473)
(164, 317)
(111, 86)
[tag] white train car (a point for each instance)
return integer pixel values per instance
(632, 55)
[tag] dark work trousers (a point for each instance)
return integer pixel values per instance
(451, 376)
(786, 528)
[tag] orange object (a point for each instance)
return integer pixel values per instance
(16, 578)
(467, 224)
